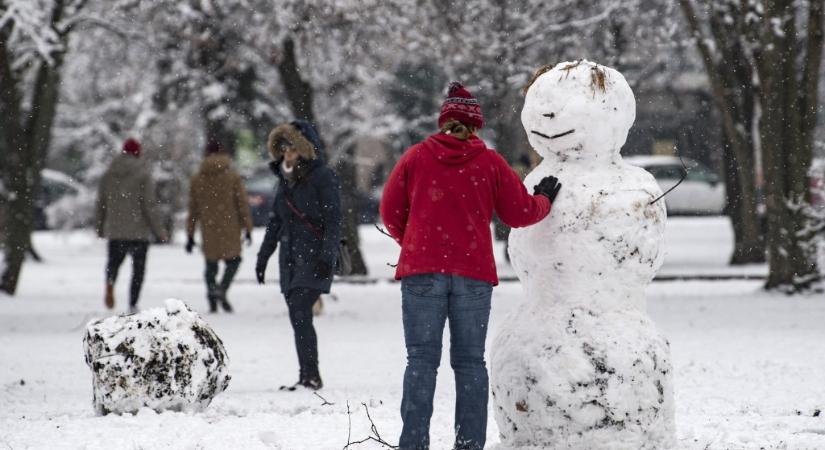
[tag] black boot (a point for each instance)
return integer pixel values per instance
(312, 379)
(314, 382)
(212, 297)
(221, 297)
(229, 271)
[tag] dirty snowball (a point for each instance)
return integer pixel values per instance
(162, 358)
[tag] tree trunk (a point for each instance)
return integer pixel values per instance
(749, 244)
(786, 142)
(730, 76)
(298, 91)
(17, 216)
(27, 162)
(27, 142)
(349, 206)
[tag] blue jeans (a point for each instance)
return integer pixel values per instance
(427, 302)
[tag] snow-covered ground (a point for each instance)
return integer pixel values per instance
(748, 366)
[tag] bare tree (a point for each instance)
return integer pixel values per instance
(788, 65)
(33, 41)
(723, 35)
(763, 58)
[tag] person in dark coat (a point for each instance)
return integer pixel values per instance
(437, 204)
(306, 221)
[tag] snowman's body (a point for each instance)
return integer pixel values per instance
(579, 364)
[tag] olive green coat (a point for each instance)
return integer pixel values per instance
(217, 201)
(126, 207)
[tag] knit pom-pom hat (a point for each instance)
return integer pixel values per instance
(461, 106)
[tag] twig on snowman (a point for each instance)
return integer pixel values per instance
(684, 175)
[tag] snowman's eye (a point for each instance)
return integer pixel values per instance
(551, 115)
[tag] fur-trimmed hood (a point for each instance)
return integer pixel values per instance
(303, 137)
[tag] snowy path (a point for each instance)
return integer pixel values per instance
(749, 366)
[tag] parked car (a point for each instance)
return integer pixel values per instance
(260, 192)
(61, 202)
(701, 193)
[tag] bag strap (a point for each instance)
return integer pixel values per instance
(315, 230)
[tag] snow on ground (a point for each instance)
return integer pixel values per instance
(748, 365)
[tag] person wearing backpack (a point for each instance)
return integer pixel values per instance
(306, 222)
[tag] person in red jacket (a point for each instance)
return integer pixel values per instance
(438, 204)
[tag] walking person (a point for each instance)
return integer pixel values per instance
(126, 214)
(217, 203)
(306, 221)
(438, 203)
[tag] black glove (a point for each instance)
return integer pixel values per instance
(248, 238)
(190, 244)
(323, 270)
(548, 187)
(260, 271)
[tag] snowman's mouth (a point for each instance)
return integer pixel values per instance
(555, 136)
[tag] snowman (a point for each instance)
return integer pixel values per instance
(579, 364)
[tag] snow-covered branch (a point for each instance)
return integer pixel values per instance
(30, 22)
(543, 33)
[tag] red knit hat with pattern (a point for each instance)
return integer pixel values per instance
(131, 147)
(461, 106)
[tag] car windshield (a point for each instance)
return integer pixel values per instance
(54, 190)
(695, 172)
(665, 172)
(701, 173)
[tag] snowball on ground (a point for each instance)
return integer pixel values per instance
(162, 358)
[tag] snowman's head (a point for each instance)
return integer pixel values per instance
(578, 111)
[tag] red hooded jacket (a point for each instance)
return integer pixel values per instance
(438, 203)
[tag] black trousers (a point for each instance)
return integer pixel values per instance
(118, 249)
(300, 301)
(229, 270)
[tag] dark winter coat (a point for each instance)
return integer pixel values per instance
(126, 207)
(438, 203)
(316, 194)
(217, 201)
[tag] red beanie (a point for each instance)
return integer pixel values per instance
(461, 106)
(131, 147)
